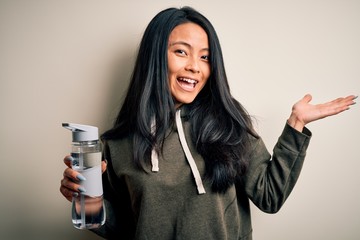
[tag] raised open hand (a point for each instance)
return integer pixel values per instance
(303, 112)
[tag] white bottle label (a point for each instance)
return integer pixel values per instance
(92, 173)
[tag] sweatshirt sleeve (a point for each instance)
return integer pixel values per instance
(270, 179)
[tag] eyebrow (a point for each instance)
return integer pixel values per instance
(186, 44)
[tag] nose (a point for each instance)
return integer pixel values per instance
(193, 65)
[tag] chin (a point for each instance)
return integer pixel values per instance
(184, 101)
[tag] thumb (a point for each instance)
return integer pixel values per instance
(307, 98)
(68, 161)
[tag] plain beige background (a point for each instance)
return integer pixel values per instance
(71, 60)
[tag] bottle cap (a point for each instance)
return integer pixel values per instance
(81, 133)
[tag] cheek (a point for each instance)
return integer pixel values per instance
(173, 64)
(206, 72)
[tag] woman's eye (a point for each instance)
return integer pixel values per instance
(205, 57)
(181, 52)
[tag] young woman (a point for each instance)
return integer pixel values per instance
(183, 159)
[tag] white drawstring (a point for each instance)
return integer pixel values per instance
(194, 169)
(189, 157)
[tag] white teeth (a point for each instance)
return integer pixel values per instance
(188, 80)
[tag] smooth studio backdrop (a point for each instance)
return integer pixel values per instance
(71, 61)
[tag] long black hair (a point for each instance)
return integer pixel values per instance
(221, 127)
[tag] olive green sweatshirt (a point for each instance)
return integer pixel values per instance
(166, 204)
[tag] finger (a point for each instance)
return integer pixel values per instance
(71, 186)
(70, 193)
(346, 102)
(74, 175)
(336, 106)
(307, 98)
(351, 99)
(68, 161)
(67, 193)
(70, 189)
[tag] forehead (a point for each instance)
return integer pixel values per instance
(190, 33)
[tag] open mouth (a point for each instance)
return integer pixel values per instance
(187, 83)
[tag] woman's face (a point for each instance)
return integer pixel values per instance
(188, 62)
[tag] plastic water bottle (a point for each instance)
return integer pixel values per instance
(88, 210)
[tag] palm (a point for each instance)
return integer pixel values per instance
(306, 112)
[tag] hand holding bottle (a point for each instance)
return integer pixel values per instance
(82, 179)
(70, 184)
